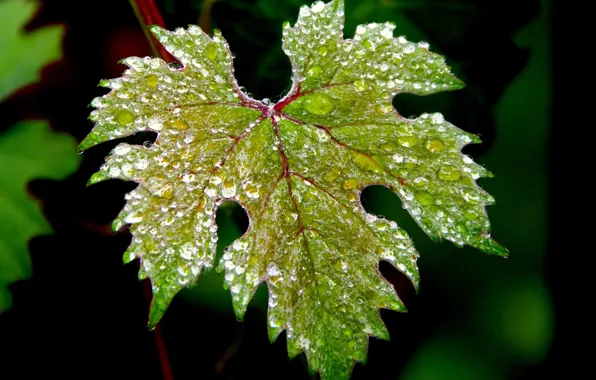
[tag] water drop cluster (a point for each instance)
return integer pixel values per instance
(298, 168)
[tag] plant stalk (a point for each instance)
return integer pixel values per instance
(148, 14)
(205, 18)
(160, 344)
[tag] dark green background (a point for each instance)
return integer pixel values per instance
(83, 314)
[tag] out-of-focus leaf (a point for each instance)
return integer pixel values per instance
(28, 150)
(22, 55)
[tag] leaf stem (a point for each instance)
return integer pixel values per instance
(160, 343)
(148, 14)
(205, 17)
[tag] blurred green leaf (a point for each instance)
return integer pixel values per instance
(29, 149)
(22, 55)
(504, 316)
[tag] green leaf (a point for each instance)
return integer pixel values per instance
(28, 150)
(297, 167)
(23, 55)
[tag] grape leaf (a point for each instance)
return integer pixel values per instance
(29, 149)
(297, 167)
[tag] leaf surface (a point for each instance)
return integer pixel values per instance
(298, 168)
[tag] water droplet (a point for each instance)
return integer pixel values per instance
(424, 197)
(177, 124)
(409, 48)
(317, 7)
(151, 80)
(360, 85)
(188, 251)
(471, 196)
(314, 71)
(133, 218)
(399, 158)
(387, 33)
(251, 191)
(448, 173)
(322, 51)
(318, 104)
(387, 147)
(435, 145)
(407, 141)
(229, 189)
(437, 118)
(125, 117)
(122, 149)
(211, 51)
(383, 109)
(471, 215)
(461, 228)
(273, 270)
(332, 175)
(350, 183)
(364, 162)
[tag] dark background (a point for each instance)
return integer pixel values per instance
(83, 314)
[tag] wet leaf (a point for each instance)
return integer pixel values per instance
(298, 168)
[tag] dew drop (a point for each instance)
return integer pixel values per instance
(122, 149)
(317, 7)
(387, 33)
(448, 173)
(314, 71)
(360, 85)
(229, 189)
(251, 191)
(409, 48)
(211, 51)
(151, 80)
(424, 197)
(437, 118)
(178, 124)
(408, 141)
(125, 116)
(471, 196)
(350, 183)
(435, 145)
(383, 109)
(319, 104)
(387, 147)
(470, 215)
(273, 270)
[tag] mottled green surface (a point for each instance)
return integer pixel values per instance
(297, 167)
(23, 55)
(29, 149)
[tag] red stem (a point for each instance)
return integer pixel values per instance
(148, 14)
(160, 344)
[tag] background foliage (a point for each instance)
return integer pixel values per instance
(476, 316)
